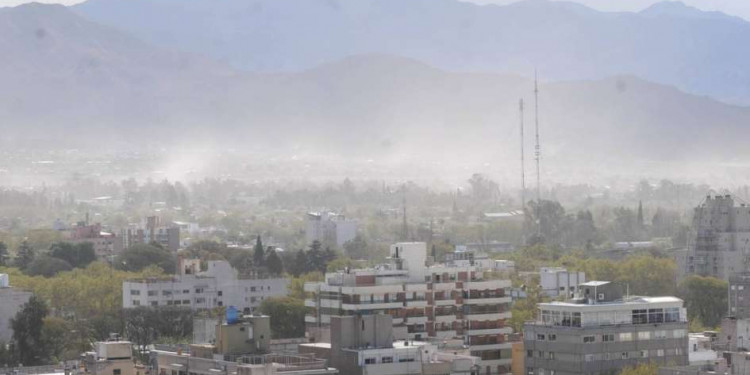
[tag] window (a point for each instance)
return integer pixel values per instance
(134, 292)
(589, 339)
(186, 291)
(610, 337)
(626, 336)
(660, 334)
(169, 303)
(672, 314)
(644, 335)
(625, 355)
(644, 353)
(166, 292)
(136, 302)
(540, 337)
(199, 290)
(387, 360)
(220, 293)
(154, 303)
(370, 361)
(588, 357)
(551, 337)
(530, 354)
(252, 288)
(640, 316)
(186, 302)
(660, 353)
(152, 293)
(406, 359)
(116, 371)
(656, 315)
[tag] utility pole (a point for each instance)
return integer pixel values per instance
(523, 166)
(538, 154)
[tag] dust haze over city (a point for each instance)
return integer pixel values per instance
(261, 155)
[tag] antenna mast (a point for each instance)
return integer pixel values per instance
(537, 150)
(523, 166)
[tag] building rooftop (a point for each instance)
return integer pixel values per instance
(595, 283)
(632, 300)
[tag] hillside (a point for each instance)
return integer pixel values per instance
(670, 43)
(108, 88)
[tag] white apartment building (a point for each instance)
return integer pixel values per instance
(438, 303)
(219, 285)
(11, 302)
(558, 281)
(330, 228)
(603, 332)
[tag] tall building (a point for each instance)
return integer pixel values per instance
(359, 346)
(219, 285)
(719, 244)
(447, 304)
(152, 231)
(106, 245)
(739, 295)
(558, 281)
(602, 331)
(11, 302)
(330, 228)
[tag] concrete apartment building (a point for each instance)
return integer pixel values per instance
(152, 231)
(219, 285)
(11, 302)
(739, 295)
(558, 282)
(241, 348)
(106, 245)
(719, 243)
(440, 303)
(330, 228)
(465, 257)
(110, 358)
(360, 346)
(602, 331)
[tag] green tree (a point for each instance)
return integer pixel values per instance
(24, 255)
(140, 256)
(642, 369)
(258, 253)
(299, 265)
(3, 254)
(705, 299)
(287, 316)
(78, 255)
(273, 262)
(356, 248)
(47, 266)
(27, 333)
(55, 334)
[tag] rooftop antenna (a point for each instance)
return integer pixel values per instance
(537, 150)
(523, 165)
(405, 228)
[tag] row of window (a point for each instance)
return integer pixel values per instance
(153, 293)
(622, 337)
(610, 356)
(388, 359)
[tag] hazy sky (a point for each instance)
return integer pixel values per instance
(735, 7)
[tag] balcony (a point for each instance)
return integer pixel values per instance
(489, 284)
(310, 319)
(416, 303)
(486, 301)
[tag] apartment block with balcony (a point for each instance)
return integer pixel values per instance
(446, 304)
(219, 285)
(602, 332)
(719, 243)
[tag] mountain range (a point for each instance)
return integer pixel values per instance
(669, 43)
(64, 76)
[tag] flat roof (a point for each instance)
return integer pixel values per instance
(634, 300)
